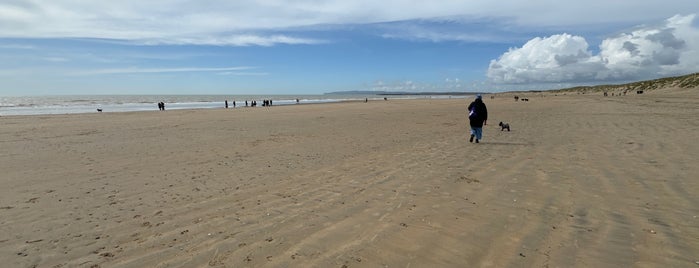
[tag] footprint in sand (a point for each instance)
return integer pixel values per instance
(467, 180)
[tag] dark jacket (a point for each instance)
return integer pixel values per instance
(481, 113)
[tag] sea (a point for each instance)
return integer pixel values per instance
(74, 104)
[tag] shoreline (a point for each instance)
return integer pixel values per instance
(169, 106)
(129, 103)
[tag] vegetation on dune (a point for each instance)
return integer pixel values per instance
(685, 81)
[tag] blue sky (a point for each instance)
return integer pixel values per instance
(312, 47)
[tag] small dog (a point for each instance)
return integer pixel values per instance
(99, 110)
(504, 126)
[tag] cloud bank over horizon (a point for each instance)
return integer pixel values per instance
(670, 48)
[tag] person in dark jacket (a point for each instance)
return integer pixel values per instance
(478, 117)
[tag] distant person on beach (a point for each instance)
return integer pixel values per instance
(477, 117)
(226, 104)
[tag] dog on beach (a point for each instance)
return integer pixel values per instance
(99, 110)
(504, 126)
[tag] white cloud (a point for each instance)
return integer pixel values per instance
(404, 86)
(220, 21)
(161, 70)
(56, 59)
(17, 46)
(234, 40)
(450, 84)
(449, 29)
(647, 52)
(243, 73)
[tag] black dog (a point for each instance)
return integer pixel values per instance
(504, 126)
(99, 110)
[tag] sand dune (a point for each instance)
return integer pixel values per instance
(580, 181)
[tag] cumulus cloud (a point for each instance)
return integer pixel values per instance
(647, 52)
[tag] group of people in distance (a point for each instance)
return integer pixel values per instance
(254, 103)
(161, 105)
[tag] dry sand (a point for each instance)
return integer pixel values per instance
(580, 181)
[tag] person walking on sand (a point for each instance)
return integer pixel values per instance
(477, 117)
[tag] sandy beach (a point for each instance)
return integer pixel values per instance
(579, 181)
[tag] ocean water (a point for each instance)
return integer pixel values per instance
(38, 105)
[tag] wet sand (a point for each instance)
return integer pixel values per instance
(580, 181)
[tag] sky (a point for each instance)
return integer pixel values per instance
(87, 47)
